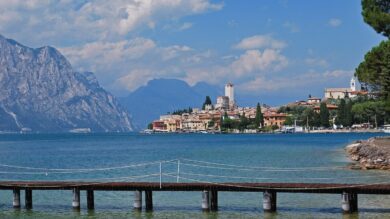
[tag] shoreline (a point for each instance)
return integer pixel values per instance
(373, 153)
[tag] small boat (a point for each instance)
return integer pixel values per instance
(386, 128)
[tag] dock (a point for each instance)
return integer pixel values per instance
(209, 202)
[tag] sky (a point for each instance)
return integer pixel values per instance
(275, 50)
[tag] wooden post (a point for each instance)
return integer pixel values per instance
(28, 198)
(16, 201)
(90, 200)
(137, 205)
(269, 201)
(148, 200)
(205, 200)
(214, 200)
(349, 202)
(76, 198)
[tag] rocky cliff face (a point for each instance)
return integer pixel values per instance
(40, 92)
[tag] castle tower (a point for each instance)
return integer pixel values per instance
(353, 84)
(229, 92)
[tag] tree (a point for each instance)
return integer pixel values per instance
(289, 121)
(211, 124)
(371, 111)
(348, 116)
(324, 115)
(340, 118)
(374, 71)
(150, 126)
(259, 119)
(244, 122)
(376, 13)
(206, 102)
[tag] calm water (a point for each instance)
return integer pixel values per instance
(282, 158)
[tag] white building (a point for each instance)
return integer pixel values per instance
(229, 92)
(222, 103)
(341, 93)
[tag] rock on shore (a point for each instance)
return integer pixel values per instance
(373, 153)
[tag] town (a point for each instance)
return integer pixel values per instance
(334, 111)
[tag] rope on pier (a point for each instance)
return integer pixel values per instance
(284, 178)
(291, 189)
(262, 167)
(254, 169)
(54, 170)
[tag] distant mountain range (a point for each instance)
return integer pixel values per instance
(160, 96)
(40, 92)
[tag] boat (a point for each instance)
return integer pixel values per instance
(386, 128)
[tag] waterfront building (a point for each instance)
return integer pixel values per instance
(313, 100)
(222, 103)
(331, 107)
(273, 118)
(341, 93)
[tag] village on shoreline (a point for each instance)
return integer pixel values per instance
(335, 113)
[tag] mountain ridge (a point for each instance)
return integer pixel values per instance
(42, 93)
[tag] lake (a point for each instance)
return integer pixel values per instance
(203, 157)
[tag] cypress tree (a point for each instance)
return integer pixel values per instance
(341, 112)
(206, 102)
(324, 115)
(348, 120)
(259, 119)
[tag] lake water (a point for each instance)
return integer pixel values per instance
(237, 158)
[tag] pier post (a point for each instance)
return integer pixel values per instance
(137, 205)
(76, 198)
(214, 200)
(148, 200)
(28, 198)
(205, 200)
(90, 200)
(269, 201)
(16, 200)
(349, 202)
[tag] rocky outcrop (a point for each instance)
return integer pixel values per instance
(373, 153)
(40, 92)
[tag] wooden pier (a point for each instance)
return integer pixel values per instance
(349, 192)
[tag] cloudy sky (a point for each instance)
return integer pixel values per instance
(269, 48)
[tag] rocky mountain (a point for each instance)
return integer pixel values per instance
(160, 96)
(40, 92)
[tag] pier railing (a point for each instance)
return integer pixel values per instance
(179, 180)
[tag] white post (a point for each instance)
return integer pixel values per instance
(160, 175)
(16, 201)
(76, 198)
(205, 200)
(137, 200)
(178, 171)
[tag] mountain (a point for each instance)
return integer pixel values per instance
(41, 92)
(160, 96)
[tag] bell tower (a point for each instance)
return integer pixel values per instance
(353, 84)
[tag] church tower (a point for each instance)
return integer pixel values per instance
(353, 84)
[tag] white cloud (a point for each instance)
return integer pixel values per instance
(185, 26)
(255, 60)
(316, 62)
(306, 81)
(334, 22)
(91, 20)
(260, 41)
(105, 54)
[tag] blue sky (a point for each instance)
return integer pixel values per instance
(273, 50)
